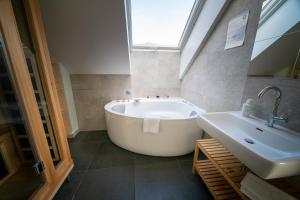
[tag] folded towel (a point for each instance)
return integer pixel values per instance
(257, 189)
(151, 123)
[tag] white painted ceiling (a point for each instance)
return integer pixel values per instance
(87, 37)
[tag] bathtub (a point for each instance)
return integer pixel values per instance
(178, 129)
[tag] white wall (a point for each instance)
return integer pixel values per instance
(87, 37)
(65, 75)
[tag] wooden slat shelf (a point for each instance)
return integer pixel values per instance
(222, 172)
(215, 181)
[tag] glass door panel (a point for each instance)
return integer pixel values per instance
(18, 178)
(36, 79)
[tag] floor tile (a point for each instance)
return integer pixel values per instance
(189, 156)
(89, 136)
(85, 148)
(166, 181)
(110, 155)
(140, 159)
(105, 171)
(194, 180)
(107, 183)
(83, 154)
(166, 173)
(157, 191)
(183, 192)
(68, 189)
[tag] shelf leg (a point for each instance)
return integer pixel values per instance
(196, 155)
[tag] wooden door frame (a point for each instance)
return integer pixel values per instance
(54, 175)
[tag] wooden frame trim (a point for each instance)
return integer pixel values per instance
(36, 28)
(54, 175)
(23, 83)
(34, 18)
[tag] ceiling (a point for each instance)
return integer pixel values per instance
(87, 38)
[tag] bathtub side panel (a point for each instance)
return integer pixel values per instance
(176, 137)
(118, 127)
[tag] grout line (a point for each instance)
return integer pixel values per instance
(134, 181)
(85, 171)
(134, 168)
(77, 188)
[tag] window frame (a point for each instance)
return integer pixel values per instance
(193, 16)
(269, 9)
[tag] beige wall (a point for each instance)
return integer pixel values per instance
(153, 73)
(92, 92)
(217, 78)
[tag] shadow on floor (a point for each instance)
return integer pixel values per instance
(105, 171)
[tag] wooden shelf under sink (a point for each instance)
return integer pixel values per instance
(222, 172)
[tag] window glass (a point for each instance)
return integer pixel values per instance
(159, 22)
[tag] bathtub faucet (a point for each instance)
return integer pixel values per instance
(136, 100)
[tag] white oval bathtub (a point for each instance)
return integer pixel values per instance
(178, 129)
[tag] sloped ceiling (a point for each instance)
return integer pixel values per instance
(87, 37)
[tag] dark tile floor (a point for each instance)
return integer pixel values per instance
(105, 171)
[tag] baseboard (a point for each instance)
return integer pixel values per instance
(74, 133)
(87, 130)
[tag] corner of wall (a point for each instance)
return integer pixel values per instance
(69, 99)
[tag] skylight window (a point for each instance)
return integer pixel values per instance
(265, 3)
(160, 23)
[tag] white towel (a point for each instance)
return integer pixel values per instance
(257, 189)
(151, 123)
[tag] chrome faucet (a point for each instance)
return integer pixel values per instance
(136, 100)
(274, 115)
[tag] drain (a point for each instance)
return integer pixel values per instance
(249, 141)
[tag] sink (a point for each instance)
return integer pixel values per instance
(268, 152)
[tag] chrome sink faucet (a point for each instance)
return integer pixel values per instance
(274, 116)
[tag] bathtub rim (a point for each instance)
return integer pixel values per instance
(109, 105)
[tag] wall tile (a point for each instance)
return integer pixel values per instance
(290, 102)
(152, 73)
(92, 92)
(217, 77)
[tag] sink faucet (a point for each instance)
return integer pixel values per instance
(274, 116)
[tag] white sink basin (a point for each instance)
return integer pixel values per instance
(268, 152)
